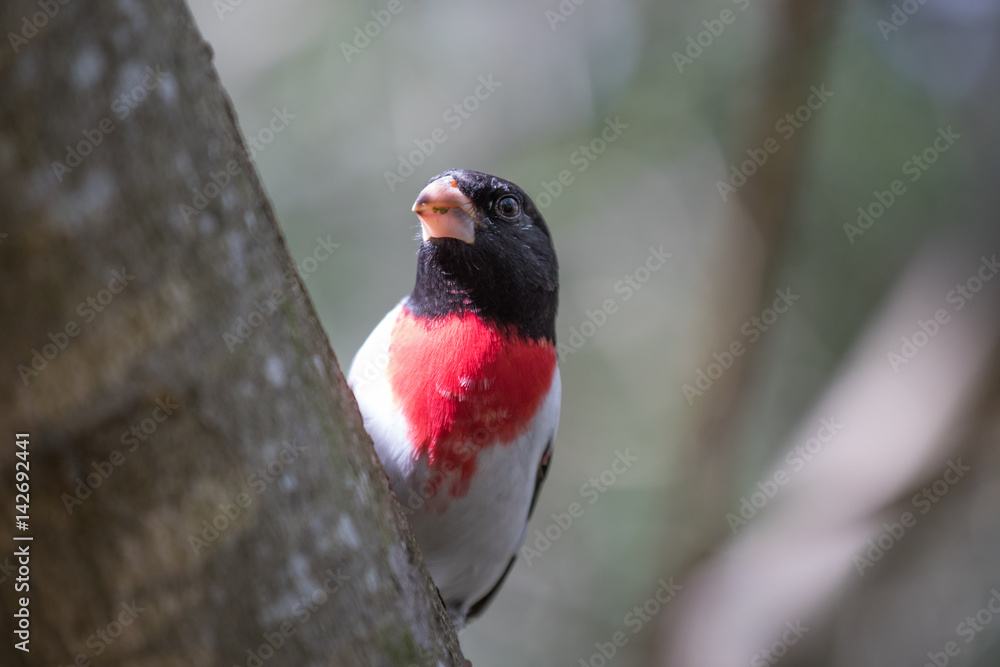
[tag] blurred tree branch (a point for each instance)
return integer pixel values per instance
(801, 555)
(798, 48)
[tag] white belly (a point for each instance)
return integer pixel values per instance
(468, 545)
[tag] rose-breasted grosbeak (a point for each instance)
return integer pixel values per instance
(459, 386)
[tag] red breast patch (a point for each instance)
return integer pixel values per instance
(463, 385)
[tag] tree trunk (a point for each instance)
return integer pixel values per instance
(202, 491)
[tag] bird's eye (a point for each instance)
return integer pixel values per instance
(508, 207)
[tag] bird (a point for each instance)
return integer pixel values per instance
(459, 384)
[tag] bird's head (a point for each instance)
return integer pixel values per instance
(486, 249)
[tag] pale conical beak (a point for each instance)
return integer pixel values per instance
(445, 212)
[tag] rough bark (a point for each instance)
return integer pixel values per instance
(265, 441)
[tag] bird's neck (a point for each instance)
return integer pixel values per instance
(452, 281)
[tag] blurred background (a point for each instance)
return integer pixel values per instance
(777, 228)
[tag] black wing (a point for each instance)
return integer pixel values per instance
(543, 471)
